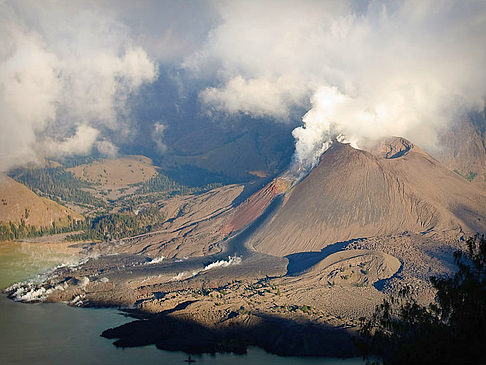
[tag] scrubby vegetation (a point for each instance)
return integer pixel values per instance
(63, 187)
(468, 176)
(160, 187)
(57, 184)
(11, 231)
(162, 183)
(73, 161)
(104, 227)
(119, 225)
(450, 331)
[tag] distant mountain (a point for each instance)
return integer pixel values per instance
(195, 146)
(463, 148)
(354, 193)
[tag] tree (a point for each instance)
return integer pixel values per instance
(450, 331)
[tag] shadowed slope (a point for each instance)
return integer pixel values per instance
(463, 148)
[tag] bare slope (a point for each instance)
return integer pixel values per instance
(115, 178)
(255, 205)
(353, 193)
(352, 267)
(119, 172)
(193, 226)
(20, 203)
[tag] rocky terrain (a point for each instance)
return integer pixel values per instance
(309, 259)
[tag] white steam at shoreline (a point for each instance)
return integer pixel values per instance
(36, 289)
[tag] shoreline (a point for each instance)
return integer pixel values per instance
(231, 331)
(237, 304)
(276, 335)
(77, 331)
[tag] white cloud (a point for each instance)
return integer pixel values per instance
(106, 148)
(80, 143)
(158, 136)
(66, 71)
(258, 97)
(365, 69)
(403, 68)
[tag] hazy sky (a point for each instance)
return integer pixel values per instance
(367, 70)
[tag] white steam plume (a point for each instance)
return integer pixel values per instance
(66, 71)
(375, 69)
(232, 260)
(156, 260)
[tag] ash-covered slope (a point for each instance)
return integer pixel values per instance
(354, 193)
(255, 205)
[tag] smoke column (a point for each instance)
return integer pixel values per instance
(366, 70)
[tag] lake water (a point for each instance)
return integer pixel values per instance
(21, 261)
(59, 334)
